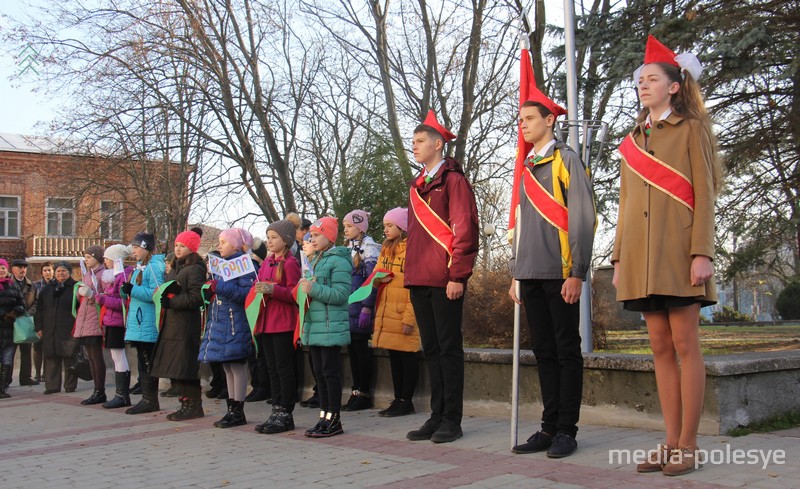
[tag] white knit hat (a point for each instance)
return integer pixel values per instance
(117, 252)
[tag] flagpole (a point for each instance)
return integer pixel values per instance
(523, 44)
(572, 109)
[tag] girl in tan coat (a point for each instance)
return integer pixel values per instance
(664, 243)
(395, 326)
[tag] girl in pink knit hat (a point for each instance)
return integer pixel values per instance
(395, 324)
(364, 252)
(227, 337)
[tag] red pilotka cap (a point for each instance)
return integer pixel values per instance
(537, 96)
(655, 52)
(431, 122)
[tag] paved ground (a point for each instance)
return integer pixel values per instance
(54, 442)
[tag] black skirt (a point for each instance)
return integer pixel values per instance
(115, 337)
(90, 340)
(655, 303)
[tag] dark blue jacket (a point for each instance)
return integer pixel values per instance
(368, 251)
(227, 336)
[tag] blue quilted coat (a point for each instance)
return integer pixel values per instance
(227, 336)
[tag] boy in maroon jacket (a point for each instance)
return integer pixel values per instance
(441, 250)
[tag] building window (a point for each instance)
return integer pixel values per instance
(60, 216)
(161, 231)
(9, 217)
(111, 220)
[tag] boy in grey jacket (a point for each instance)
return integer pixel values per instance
(551, 254)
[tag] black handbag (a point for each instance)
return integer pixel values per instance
(80, 366)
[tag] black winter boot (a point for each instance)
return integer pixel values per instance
(332, 427)
(149, 402)
(261, 427)
(228, 414)
(317, 427)
(5, 373)
(190, 409)
(282, 421)
(122, 397)
(236, 417)
(137, 387)
(98, 396)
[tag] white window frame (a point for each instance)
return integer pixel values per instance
(61, 211)
(114, 216)
(4, 234)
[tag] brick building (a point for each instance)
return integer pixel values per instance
(55, 203)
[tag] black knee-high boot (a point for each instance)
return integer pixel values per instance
(122, 397)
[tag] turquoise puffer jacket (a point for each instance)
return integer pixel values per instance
(327, 321)
(141, 324)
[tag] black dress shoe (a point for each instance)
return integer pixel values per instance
(448, 431)
(563, 446)
(311, 402)
(257, 395)
(52, 391)
(425, 432)
(537, 442)
(28, 382)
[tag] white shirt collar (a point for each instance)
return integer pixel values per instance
(663, 116)
(433, 172)
(544, 149)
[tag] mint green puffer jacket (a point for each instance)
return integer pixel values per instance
(327, 322)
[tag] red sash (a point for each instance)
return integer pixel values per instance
(657, 173)
(545, 204)
(437, 229)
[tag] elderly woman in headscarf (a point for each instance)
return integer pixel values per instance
(54, 322)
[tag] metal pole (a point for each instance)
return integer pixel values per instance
(572, 74)
(523, 44)
(515, 372)
(572, 109)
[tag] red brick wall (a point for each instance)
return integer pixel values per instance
(88, 180)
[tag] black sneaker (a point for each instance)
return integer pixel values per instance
(311, 402)
(360, 403)
(351, 401)
(563, 446)
(398, 407)
(425, 432)
(537, 442)
(448, 431)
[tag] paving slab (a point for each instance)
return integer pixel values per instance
(53, 441)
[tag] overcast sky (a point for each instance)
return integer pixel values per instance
(22, 108)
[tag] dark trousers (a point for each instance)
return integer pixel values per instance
(257, 364)
(278, 349)
(25, 363)
(405, 373)
(97, 364)
(188, 388)
(328, 365)
(144, 356)
(439, 321)
(556, 343)
(360, 362)
(52, 373)
(218, 380)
